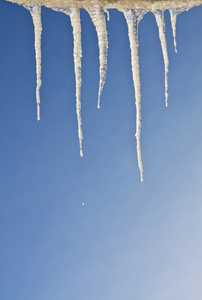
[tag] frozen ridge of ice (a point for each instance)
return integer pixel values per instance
(133, 11)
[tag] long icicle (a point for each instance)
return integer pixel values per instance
(98, 19)
(74, 14)
(174, 12)
(36, 17)
(133, 18)
(159, 15)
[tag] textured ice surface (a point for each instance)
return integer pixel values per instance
(98, 19)
(133, 18)
(159, 15)
(74, 14)
(133, 11)
(174, 12)
(36, 17)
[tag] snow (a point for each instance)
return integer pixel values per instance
(151, 5)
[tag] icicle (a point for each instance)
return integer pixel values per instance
(107, 12)
(174, 12)
(98, 19)
(36, 16)
(159, 15)
(133, 18)
(74, 14)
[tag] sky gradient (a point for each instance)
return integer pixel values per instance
(131, 240)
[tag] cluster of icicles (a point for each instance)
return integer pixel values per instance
(97, 16)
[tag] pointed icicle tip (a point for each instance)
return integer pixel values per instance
(141, 176)
(38, 112)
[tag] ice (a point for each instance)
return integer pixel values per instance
(174, 12)
(150, 5)
(133, 18)
(107, 12)
(159, 15)
(74, 14)
(133, 11)
(98, 19)
(36, 16)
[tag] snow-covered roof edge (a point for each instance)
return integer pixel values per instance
(110, 4)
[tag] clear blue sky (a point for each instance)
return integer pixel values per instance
(131, 240)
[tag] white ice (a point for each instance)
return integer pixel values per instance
(107, 12)
(174, 12)
(74, 14)
(159, 15)
(133, 11)
(133, 18)
(98, 19)
(36, 16)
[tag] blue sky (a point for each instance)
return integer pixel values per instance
(131, 240)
